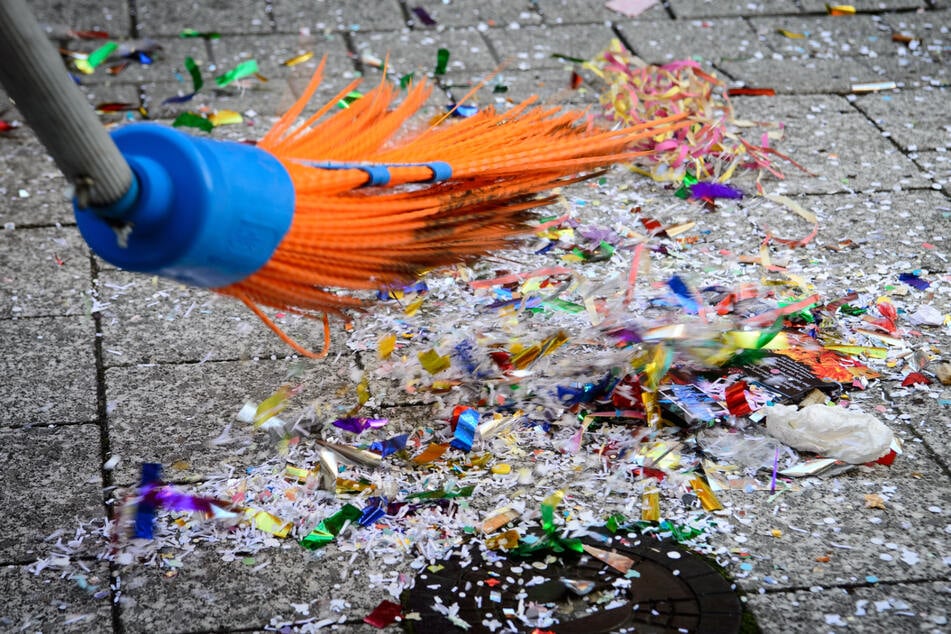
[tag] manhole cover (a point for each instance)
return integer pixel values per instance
(645, 586)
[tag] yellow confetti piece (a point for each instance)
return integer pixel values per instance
(225, 117)
(776, 533)
(344, 485)
(433, 362)
(271, 406)
(502, 468)
(503, 541)
(297, 473)
(748, 340)
(554, 499)
(840, 9)
(650, 506)
(791, 34)
(414, 307)
(386, 346)
(298, 59)
(264, 521)
(707, 498)
(868, 351)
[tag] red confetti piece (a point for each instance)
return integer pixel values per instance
(736, 399)
(384, 614)
(751, 92)
(915, 378)
(648, 472)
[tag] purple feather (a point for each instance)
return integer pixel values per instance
(714, 190)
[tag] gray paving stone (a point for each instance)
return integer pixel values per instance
(33, 190)
(476, 13)
(834, 142)
(706, 41)
(910, 72)
(520, 85)
(915, 119)
(49, 275)
(224, 16)
(278, 586)
(831, 518)
(884, 607)
(803, 75)
(717, 8)
(52, 481)
(148, 425)
(341, 15)
(35, 603)
(591, 12)
(893, 233)
(49, 370)
(154, 320)
(60, 16)
(861, 35)
(532, 48)
(416, 51)
(216, 57)
(939, 165)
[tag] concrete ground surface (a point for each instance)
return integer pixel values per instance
(103, 370)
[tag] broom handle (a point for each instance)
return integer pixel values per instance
(33, 75)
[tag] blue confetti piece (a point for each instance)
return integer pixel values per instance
(465, 429)
(144, 527)
(683, 294)
(373, 511)
(390, 445)
(912, 279)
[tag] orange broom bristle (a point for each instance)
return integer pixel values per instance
(348, 236)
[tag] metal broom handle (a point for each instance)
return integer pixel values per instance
(34, 76)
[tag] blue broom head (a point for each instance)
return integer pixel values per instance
(204, 212)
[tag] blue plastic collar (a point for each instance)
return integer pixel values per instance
(205, 212)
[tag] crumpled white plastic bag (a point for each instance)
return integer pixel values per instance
(834, 432)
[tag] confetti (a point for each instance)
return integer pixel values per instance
(242, 70)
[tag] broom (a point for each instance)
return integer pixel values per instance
(317, 208)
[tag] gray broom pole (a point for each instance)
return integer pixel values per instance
(35, 78)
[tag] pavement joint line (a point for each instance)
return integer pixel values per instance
(28, 426)
(853, 586)
(133, 19)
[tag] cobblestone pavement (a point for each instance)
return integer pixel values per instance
(100, 365)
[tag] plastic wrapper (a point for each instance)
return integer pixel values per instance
(835, 432)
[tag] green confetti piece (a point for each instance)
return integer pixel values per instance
(208, 35)
(102, 53)
(192, 120)
(684, 191)
(562, 305)
(499, 89)
(329, 528)
(442, 60)
(615, 522)
(406, 80)
(350, 97)
(566, 58)
(242, 70)
(97, 57)
(855, 311)
(195, 72)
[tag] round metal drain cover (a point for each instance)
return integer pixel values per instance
(619, 584)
